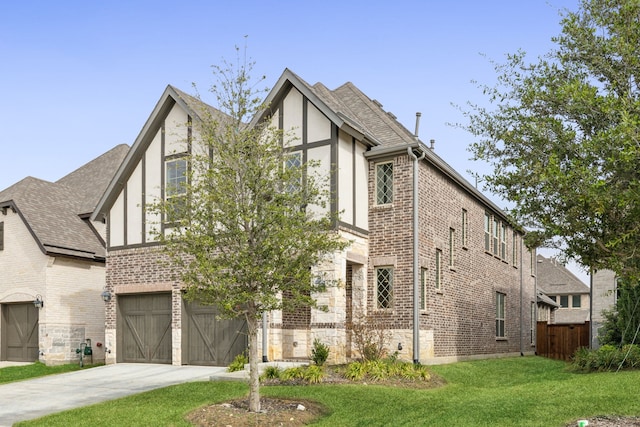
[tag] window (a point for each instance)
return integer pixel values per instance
(438, 271)
(384, 183)
(575, 301)
(465, 228)
(553, 297)
(175, 188)
(500, 314)
(423, 285)
(564, 301)
(294, 161)
(532, 262)
(514, 251)
(1, 236)
(503, 241)
(487, 232)
(452, 247)
(496, 229)
(384, 282)
(533, 323)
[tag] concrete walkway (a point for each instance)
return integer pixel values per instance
(25, 400)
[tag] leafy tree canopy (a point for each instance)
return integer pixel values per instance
(248, 227)
(562, 137)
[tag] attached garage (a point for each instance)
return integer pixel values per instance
(144, 331)
(19, 333)
(144, 328)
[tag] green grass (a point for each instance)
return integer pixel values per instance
(528, 391)
(33, 370)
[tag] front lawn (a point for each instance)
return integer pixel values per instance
(525, 391)
(34, 370)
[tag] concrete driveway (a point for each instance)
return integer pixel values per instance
(25, 400)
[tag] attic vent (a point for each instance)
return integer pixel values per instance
(393, 116)
(375, 101)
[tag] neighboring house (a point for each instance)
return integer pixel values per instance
(52, 253)
(473, 278)
(604, 296)
(564, 288)
(546, 308)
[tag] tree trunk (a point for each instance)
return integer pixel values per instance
(254, 375)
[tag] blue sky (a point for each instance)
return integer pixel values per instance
(80, 77)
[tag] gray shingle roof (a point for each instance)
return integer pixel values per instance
(555, 279)
(52, 211)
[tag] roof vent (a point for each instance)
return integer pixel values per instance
(375, 101)
(418, 115)
(393, 116)
(433, 144)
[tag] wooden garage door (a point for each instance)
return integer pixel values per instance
(20, 332)
(144, 328)
(211, 341)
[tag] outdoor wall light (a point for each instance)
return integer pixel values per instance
(106, 295)
(38, 303)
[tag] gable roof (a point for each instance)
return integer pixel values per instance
(360, 116)
(555, 279)
(171, 96)
(53, 211)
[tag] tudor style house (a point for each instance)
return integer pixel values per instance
(429, 254)
(52, 260)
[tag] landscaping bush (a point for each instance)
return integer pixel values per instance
(370, 336)
(238, 363)
(271, 373)
(319, 352)
(607, 358)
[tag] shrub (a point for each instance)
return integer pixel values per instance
(238, 363)
(606, 358)
(313, 374)
(319, 352)
(271, 373)
(355, 371)
(370, 336)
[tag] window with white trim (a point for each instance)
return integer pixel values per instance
(452, 247)
(495, 232)
(514, 250)
(487, 232)
(175, 188)
(465, 228)
(503, 241)
(576, 301)
(384, 183)
(384, 287)
(500, 297)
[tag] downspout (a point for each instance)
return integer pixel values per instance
(416, 259)
(265, 359)
(521, 302)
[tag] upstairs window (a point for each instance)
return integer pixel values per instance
(384, 183)
(487, 232)
(564, 301)
(293, 161)
(514, 251)
(495, 231)
(1, 236)
(576, 301)
(452, 247)
(465, 228)
(503, 241)
(384, 286)
(175, 190)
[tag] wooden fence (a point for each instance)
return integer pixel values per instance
(561, 341)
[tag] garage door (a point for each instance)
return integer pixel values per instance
(144, 328)
(19, 332)
(211, 341)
